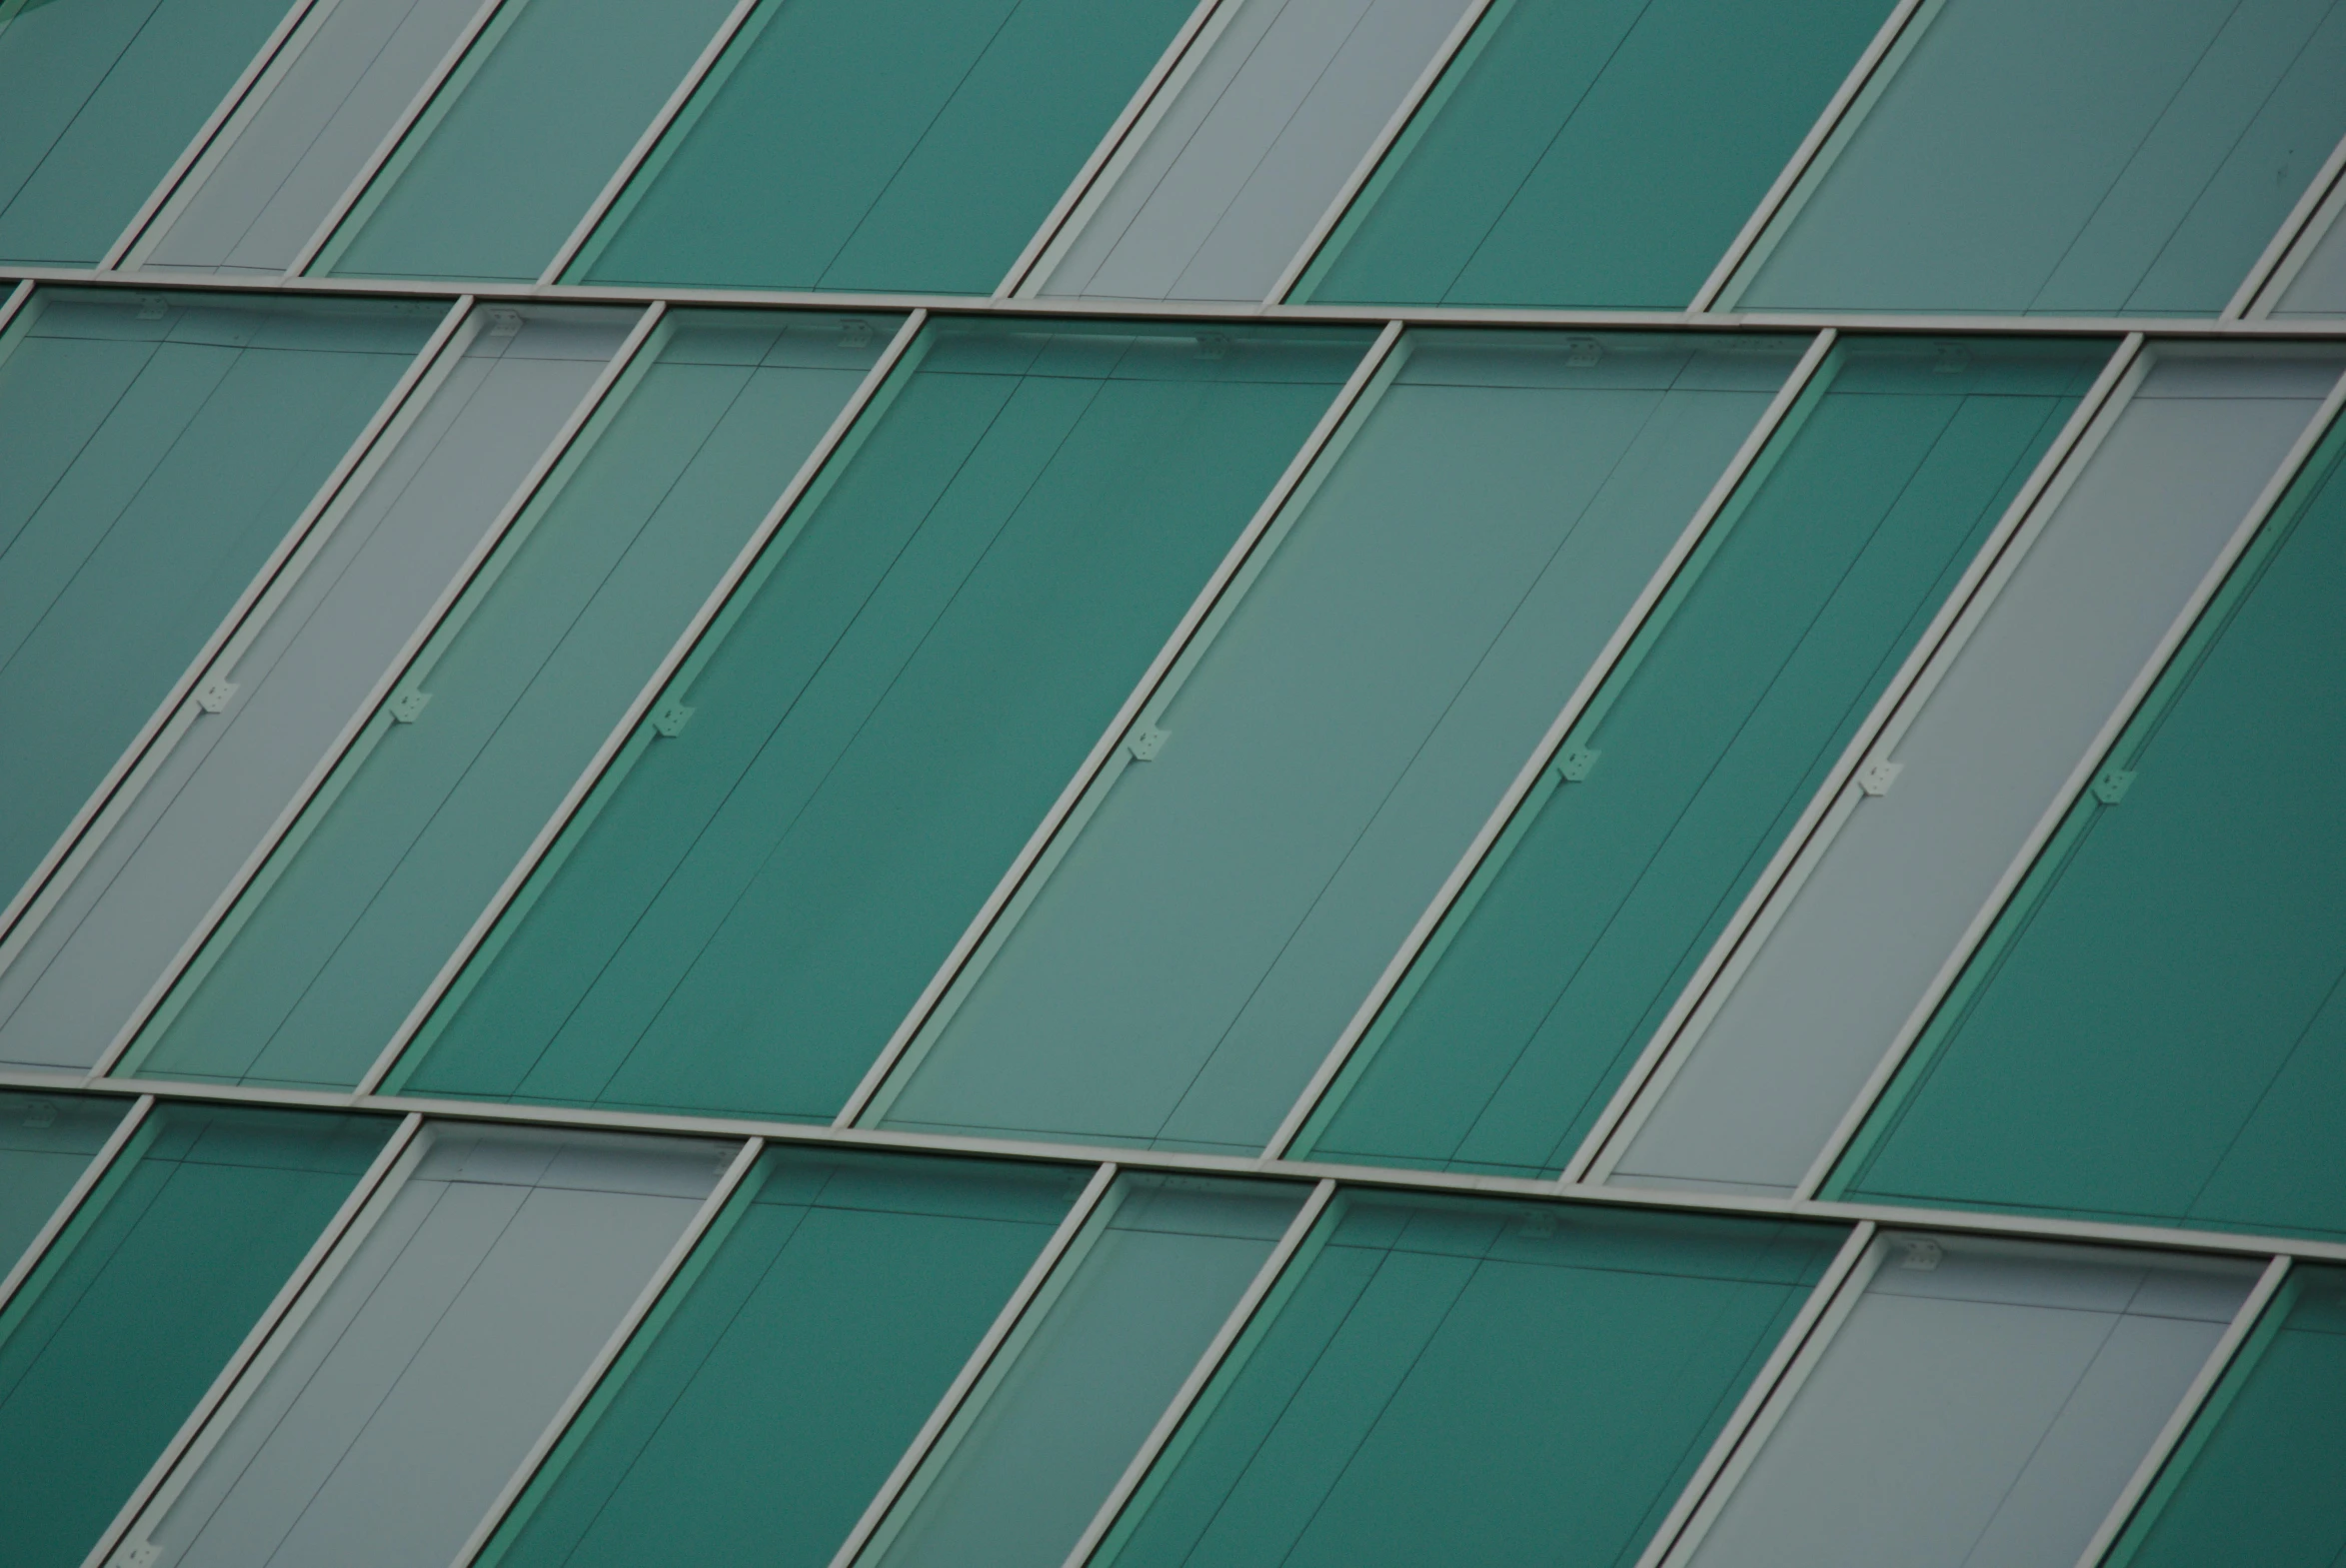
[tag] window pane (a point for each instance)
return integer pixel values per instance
(747, 907)
(2167, 977)
(1704, 745)
(1203, 939)
(142, 1299)
(153, 451)
(521, 141)
(881, 144)
(2114, 158)
(2319, 289)
(1850, 950)
(1256, 140)
(381, 1426)
(1472, 1384)
(781, 1378)
(316, 967)
(97, 98)
(1593, 154)
(1981, 1408)
(46, 1141)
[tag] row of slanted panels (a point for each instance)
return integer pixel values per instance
(320, 1340)
(2065, 156)
(1631, 756)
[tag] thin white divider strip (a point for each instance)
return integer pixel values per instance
(632, 1320)
(1365, 169)
(361, 1195)
(2265, 277)
(1104, 748)
(628, 166)
(1144, 100)
(1202, 1373)
(1826, 1290)
(2186, 1411)
(220, 113)
(62, 1216)
(2080, 776)
(15, 302)
(1835, 109)
(450, 597)
(1821, 821)
(1544, 753)
(390, 144)
(182, 692)
(633, 718)
(948, 1406)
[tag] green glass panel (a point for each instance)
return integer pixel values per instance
(2115, 157)
(880, 143)
(1472, 1383)
(1592, 152)
(1446, 576)
(2255, 1480)
(747, 906)
(97, 99)
(1698, 754)
(46, 1141)
(331, 945)
(141, 1300)
(785, 1370)
(153, 451)
(2154, 1028)
(522, 139)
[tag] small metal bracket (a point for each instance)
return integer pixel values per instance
(214, 694)
(1577, 762)
(153, 307)
(1147, 742)
(40, 1114)
(142, 1555)
(1587, 353)
(1876, 777)
(408, 705)
(854, 332)
(503, 323)
(2111, 784)
(1921, 1253)
(1953, 359)
(670, 717)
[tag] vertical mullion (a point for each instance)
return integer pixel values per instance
(62, 1216)
(2082, 774)
(631, 720)
(2292, 243)
(1201, 609)
(1543, 753)
(1202, 1373)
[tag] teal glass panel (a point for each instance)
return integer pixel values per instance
(153, 451)
(748, 903)
(2255, 1480)
(97, 99)
(1334, 741)
(143, 1297)
(1591, 152)
(326, 951)
(2114, 158)
(1096, 1360)
(784, 1371)
(1700, 750)
(2154, 1029)
(522, 139)
(880, 143)
(1471, 1384)
(46, 1141)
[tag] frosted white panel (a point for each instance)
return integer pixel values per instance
(1983, 1410)
(69, 987)
(1761, 1087)
(266, 185)
(379, 1426)
(1224, 187)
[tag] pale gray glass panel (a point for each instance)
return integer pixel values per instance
(1332, 750)
(1256, 143)
(1859, 940)
(1982, 1407)
(262, 192)
(46, 1141)
(387, 555)
(378, 1428)
(1031, 1455)
(2319, 289)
